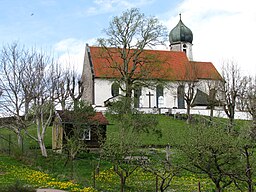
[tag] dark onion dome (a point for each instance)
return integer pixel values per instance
(180, 33)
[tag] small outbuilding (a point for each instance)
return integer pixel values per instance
(93, 128)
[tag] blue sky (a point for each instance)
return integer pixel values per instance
(223, 29)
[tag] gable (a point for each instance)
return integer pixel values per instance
(164, 65)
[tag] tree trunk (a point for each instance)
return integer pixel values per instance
(42, 147)
(254, 122)
(248, 170)
(20, 139)
(218, 187)
(211, 112)
(156, 183)
(188, 113)
(162, 185)
(26, 109)
(40, 138)
(63, 105)
(123, 180)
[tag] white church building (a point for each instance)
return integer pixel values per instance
(100, 86)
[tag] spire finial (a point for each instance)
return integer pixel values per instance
(180, 16)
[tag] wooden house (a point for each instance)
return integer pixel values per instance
(93, 128)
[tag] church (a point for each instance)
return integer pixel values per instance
(175, 69)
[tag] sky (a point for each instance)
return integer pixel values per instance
(224, 30)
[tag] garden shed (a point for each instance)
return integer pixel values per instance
(92, 128)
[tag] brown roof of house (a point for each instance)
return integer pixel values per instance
(71, 116)
(167, 65)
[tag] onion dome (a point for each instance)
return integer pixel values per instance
(180, 33)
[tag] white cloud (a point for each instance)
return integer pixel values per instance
(222, 30)
(71, 52)
(107, 6)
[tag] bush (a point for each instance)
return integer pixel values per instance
(17, 187)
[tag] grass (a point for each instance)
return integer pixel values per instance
(169, 128)
(173, 132)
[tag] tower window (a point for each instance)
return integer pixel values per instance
(185, 50)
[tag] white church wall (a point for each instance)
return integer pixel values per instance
(169, 100)
(102, 90)
(145, 97)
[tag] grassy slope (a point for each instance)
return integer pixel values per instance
(173, 131)
(170, 128)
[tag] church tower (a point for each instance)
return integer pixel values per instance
(181, 38)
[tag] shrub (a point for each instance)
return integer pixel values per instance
(17, 187)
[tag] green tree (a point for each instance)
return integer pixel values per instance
(245, 171)
(77, 123)
(211, 151)
(129, 35)
(160, 164)
(123, 148)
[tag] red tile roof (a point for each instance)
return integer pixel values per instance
(100, 118)
(206, 70)
(170, 65)
(68, 116)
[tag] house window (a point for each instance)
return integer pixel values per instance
(87, 134)
(115, 89)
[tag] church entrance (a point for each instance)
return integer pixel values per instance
(181, 102)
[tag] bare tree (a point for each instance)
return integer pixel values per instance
(251, 100)
(242, 98)
(62, 91)
(28, 78)
(190, 83)
(13, 97)
(127, 38)
(213, 99)
(43, 95)
(28, 82)
(75, 87)
(230, 89)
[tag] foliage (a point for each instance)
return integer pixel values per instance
(211, 151)
(130, 118)
(160, 164)
(79, 122)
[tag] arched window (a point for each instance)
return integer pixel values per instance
(137, 94)
(159, 94)
(181, 92)
(115, 89)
